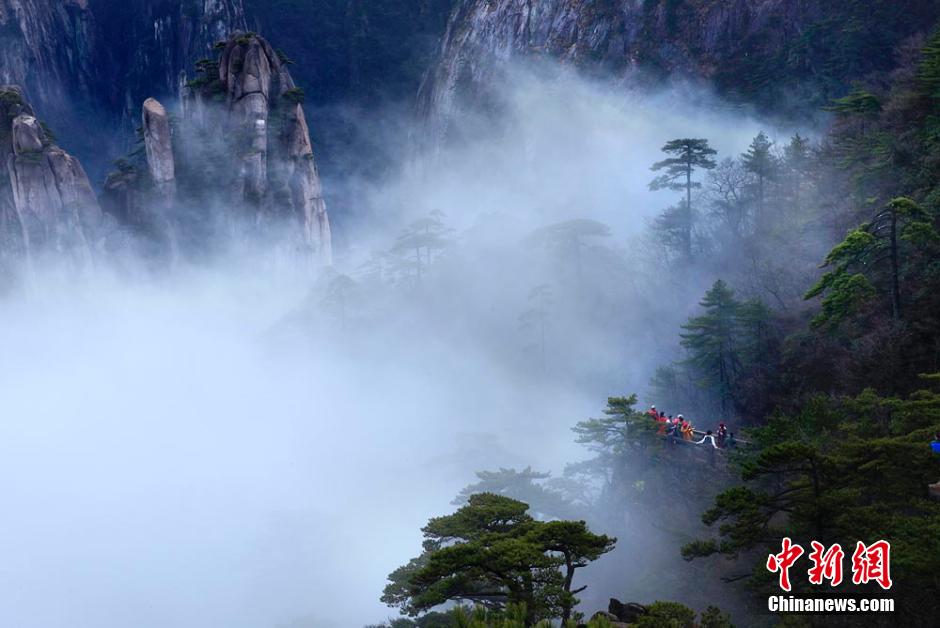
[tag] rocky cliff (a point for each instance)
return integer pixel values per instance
(150, 42)
(49, 51)
(87, 64)
(47, 205)
(760, 51)
(276, 170)
(239, 158)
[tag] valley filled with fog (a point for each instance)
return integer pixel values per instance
(241, 442)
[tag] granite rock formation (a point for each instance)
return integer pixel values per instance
(770, 49)
(47, 205)
(87, 64)
(276, 170)
(238, 159)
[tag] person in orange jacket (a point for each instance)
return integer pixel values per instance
(687, 429)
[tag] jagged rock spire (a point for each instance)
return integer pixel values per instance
(47, 203)
(277, 172)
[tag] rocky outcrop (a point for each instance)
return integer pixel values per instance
(265, 123)
(739, 45)
(163, 39)
(87, 64)
(46, 200)
(158, 144)
(239, 160)
(628, 613)
(161, 165)
(48, 50)
(619, 615)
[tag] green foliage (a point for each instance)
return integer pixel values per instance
(419, 247)
(294, 96)
(929, 70)
(11, 98)
(759, 158)
(875, 250)
(688, 156)
(843, 470)
(492, 552)
(283, 57)
(545, 497)
(846, 295)
(613, 434)
(838, 43)
(859, 102)
(762, 164)
(207, 81)
(727, 345)
(246, 38)
(713, 617)
(667, 615)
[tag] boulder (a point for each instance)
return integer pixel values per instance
(614, 622)
(629, 613)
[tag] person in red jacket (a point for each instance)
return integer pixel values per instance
(652, 413)
(663, 423)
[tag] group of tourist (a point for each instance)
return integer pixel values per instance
(680, 428)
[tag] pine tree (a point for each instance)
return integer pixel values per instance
(491, 551)
(535, 488)
(760, 161)
(872, 251)
(418, 244)
(689, 155)
(711, 340)
(840, 471)
(929, 74)
(797, 162)
(536, 319)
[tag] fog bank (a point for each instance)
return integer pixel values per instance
(210, 447)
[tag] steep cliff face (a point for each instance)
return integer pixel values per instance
(49, 50)
(86, 65)
(756, 50)
(47, 205)
(148, 43)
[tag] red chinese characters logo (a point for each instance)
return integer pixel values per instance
(870, 563)
(827, 564)
(783, 561)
